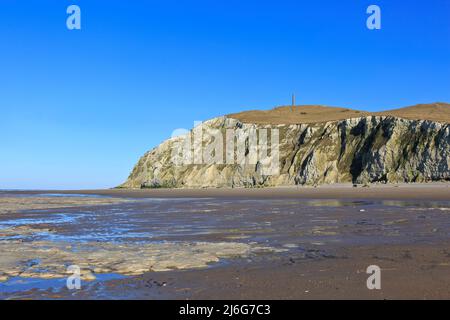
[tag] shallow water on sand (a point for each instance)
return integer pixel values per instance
(283, 225)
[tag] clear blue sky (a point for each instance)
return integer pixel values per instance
(78, 108)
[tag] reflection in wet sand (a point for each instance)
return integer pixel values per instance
(40, 235)
(44, 259)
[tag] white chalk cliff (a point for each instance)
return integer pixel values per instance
(377, 147)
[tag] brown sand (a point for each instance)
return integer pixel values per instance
(427, 191)
(407, 272)
(15, 204)
(417, 267)
(314, 113)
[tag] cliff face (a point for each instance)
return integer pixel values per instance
(360, 150)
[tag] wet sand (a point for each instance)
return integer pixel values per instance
(314, 243)
(408, 272)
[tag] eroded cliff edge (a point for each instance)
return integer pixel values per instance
(366, 149)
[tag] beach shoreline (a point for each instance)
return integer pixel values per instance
(420, 191)
(319, 241)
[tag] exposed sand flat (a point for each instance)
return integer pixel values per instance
(276, 244)
(10, 204)
(315, 113)
(408, 272)
(31, 258)
(128, 259)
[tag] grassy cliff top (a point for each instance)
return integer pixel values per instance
(438, 111)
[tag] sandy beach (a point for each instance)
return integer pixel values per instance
(408, 272)
(280, 243)
(427, 191)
